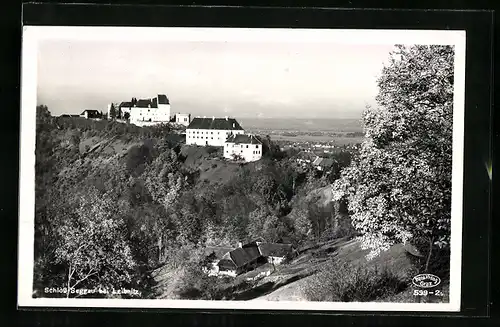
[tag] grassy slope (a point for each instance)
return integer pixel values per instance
(309, 262)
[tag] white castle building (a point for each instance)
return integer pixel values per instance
(183, 119)
(224, 132)
(211, 131)
(246, 147)
(147, 111)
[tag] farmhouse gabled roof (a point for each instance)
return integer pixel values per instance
(218, 251)
(243, 139)
(215, 123)
(125, 105)
(323, 162)
(242, 256)
(274, 249)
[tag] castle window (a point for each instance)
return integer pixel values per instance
(256, 146)
(247, 146)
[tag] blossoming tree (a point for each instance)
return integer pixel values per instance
(399, 188)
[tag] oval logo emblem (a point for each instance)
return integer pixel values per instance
(426, 280)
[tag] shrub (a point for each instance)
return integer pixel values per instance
(346, 282)
(196, 285)
(137, 157)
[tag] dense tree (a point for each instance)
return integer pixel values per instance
(112, 112)
(43, 114)
(164, 186)
(93, 245)
(399, 189)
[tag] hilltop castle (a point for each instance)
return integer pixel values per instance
(146, 112)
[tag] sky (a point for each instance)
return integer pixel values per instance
(213, 78)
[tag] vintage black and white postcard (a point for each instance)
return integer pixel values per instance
(226, 168)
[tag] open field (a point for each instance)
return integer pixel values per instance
(302, 124)
(337, 140)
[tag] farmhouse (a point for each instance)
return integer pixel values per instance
(240, 260)
(147, 111)
(275, 253)
(252, 255)
(247, 147)
(212, 256)
(323, 163)
(90, 114)
(211, 131)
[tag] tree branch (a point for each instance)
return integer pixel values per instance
(90, 273)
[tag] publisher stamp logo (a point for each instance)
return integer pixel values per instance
(426, 280)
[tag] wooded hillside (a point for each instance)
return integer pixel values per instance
(114, 201)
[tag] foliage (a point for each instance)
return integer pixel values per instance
(399, 189)
(237, 157)
(270, 149)
(112, 112)
(196, 285)
(93, 245)
(347, 282)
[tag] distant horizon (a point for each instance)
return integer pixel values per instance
(359, 117)
(250, 77)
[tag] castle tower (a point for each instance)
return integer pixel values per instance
(163, 107)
